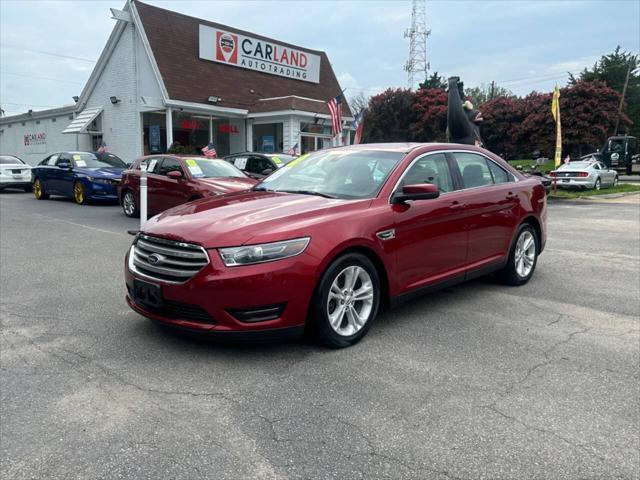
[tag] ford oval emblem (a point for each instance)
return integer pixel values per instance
(154, 259)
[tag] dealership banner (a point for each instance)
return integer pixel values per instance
(260, 55)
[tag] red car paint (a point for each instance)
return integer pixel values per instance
(164, 192)
(459, 235)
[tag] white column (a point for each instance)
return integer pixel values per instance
(210, 129)
(169, 127)
(249, 136)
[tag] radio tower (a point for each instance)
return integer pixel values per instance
(417, 35)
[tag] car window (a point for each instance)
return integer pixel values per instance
(259, 164)
(500, 175)
(9, 160)
(170, 165)
(474, 170)
(430, 169)
(63, 157)
(150, 165)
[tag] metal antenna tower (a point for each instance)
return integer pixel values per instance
(417, 34)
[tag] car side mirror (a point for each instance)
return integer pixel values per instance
(175, 174)
(267, 171)
(422, 191)
(64, 164)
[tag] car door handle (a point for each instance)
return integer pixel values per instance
(457, 206)
(511, 196)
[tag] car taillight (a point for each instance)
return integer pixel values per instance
(583, 174)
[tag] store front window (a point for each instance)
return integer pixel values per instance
(267, 138)
(314, 136)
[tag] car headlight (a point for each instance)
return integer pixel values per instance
(103, 181)
(265, 252)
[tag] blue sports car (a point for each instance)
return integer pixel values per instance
(83, 176)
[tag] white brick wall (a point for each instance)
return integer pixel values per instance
(121, 123)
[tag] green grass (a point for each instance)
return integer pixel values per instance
(564, 193)
(526, 164)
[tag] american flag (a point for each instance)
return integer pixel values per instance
(210, 151)
(293, 150)
(358, 125)
(335, 107)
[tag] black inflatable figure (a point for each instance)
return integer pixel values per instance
(462, 118)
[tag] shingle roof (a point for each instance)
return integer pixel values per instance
(174, 40)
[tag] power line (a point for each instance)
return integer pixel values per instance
(27, 105)
(53, 54)
(41, 78)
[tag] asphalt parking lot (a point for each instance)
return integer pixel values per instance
(478, 381)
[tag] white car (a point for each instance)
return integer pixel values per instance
(585, 174)
(14, 173)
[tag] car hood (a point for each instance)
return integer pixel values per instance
(112, 173)
(227, 184)
(248, 217)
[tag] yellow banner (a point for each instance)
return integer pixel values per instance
(555, 111)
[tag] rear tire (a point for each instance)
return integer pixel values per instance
(346, 301)
(598, 184)
(39, 191)
(523, 257)
(615, 181)
(129, 205)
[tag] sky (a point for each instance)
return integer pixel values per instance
(48, 48)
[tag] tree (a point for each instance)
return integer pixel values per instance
(502, 126)
(486, 92)
(434, 81)
(358, 103)
(390, 117)
(612, 70)
(430, 110)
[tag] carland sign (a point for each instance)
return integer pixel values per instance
(260, 55)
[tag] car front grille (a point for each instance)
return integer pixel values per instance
(166, 260)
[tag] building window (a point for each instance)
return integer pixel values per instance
(9, 125)
(70, 117)
(37, 122)
(53, 120)
(23, 124)
(267, 137)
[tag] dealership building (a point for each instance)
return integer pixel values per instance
(169, 79)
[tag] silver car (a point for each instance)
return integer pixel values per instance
(14, 173)
(585, 174)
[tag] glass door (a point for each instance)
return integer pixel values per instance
(311, 143)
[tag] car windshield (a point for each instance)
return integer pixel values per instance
(335, 173)
(111, 159)
(211, 168)
(9, 160)
(281, 159)
(89, 160)
(573, 165)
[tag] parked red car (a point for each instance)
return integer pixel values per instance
(173, 180)
(327, 240)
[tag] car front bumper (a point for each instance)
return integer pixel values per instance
(101, 191)
(219, 299)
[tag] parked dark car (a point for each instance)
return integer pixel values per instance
(327, 240)
(173, 180)
(259, 165)
(79, 175)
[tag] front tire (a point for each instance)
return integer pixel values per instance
(79, 194)
(39, 191)
(346, 301)
(129, 206)
(615, 181)
(523, 257)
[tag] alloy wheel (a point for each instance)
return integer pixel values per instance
(525, 254)
(350, 301)
(78, 193)
(597, 184)
(129, 204)
(37, 188)
(615, 181)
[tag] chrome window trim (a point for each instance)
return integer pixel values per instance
(514, 179)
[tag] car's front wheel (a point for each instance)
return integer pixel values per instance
(346, 301)
(129, 206)
(523, 257)
(79, 194)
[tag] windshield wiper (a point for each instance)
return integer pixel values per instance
(308, 192)
(261, 189)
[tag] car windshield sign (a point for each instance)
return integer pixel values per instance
(346, 174)
(89, 160)
(211, 168)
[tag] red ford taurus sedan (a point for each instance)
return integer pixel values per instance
(173, 180)
(329, 239)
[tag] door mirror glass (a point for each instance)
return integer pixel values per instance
(267, 171)
(174, 174)
(422, 191)
(64, 164)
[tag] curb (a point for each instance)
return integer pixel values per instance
(593, 197)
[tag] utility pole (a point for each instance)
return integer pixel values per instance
(624, 92)
(492, 93)
(417, 34)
